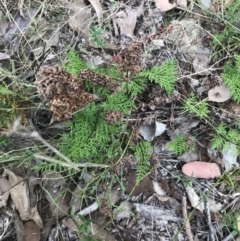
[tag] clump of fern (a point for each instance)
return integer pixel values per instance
(225, 137)
(90, 137)
(142, 152)
(119, 102)
(231, 77)
(134, 87)
(165, 75)
(193, 106)
(180, 145)
(73, 64)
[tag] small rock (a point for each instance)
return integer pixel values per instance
(200, 169)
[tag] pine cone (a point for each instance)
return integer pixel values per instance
(112, 117)
(98, 79)
(62, 90)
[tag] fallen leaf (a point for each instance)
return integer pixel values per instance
(20, 197)
(194, 198)
(219, 94)
(122, 211)
(4, 192)
(200, 169)
(164, 5)
(95, 230)
(230, 158)
(98, 8)
(80, 17)
(189, 156)
(32, 231)
(182, 3)
(127, 19)
(201, 61)
(20, 24)
(150, 131)
(205, 4)
(158, 189)
(214, 206)
(144, 186)
(56, 192)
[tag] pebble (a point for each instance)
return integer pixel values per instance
(201, 169)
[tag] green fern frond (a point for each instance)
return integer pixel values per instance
(165, 75)
(73, 64)
(217, 142)
(199, 108)
(119, 102)
(225, 137)
(179, 145)
(231, 76)
(142, 152)
(134, 87)
(90, 137)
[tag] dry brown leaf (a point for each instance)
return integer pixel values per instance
(80, 17)
(20, 197)
(32, 231)
(219, 94)
(56, 193)
(164, 5)
(20, 25)
(145, 185)
(126, 20)
(4, 191)
(98, 8)
(96, 231)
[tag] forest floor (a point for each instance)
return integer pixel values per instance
(119, 120)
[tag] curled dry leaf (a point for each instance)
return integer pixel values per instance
(194, 198)
(98, 8)
(148, 132)
(80, 17)
(20, 197)
(164, 5)
(4, 192)
(219, 94)
(126, 20)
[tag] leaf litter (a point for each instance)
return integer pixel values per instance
(131, 36)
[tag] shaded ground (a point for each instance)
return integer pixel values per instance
(119, 120)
